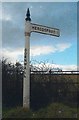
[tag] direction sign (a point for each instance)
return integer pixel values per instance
(45, 30)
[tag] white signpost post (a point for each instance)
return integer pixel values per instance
(30, 27)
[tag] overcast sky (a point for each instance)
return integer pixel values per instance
(39, 0)
(61, 50)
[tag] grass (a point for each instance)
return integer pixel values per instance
(18, 112)
(54, 110)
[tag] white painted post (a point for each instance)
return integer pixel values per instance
(30, 27)
(26, 80)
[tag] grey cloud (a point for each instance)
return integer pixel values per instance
(12, 36)
(60, 15)
(39, 1)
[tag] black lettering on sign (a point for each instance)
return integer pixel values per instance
(25, 63)
(50, 31)
(40, 29)
(54, 31)
(25, 53)
(25, 58)
(25, 50)
(47, 29)
(37, 28)
(33, 27)
(25, 67)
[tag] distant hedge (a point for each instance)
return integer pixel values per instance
(45, 89)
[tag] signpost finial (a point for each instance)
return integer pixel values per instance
(28, 15)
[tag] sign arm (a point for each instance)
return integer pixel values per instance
(45, 30)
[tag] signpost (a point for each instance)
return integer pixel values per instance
(30, 27)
